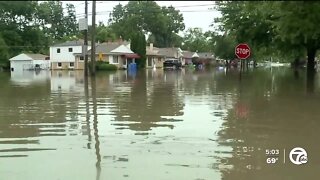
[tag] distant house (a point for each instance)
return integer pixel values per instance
(26, 61)
(206, 58)
(198, 57)
(153, 57)
(172, 52)
(117, 53)
(62, 55)
(187, 57)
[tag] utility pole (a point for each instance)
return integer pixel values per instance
(86, 41)
(93, 43)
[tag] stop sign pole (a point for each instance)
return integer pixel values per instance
(242, 51)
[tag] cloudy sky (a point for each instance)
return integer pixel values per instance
(195, 13)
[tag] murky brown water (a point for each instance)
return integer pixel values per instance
(158, 125)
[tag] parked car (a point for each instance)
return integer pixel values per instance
(172, 63)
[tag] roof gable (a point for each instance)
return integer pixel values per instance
(79, 42)
(195, 55)
(28, 57)
(21, 57)
(112, 47)
(122, 49)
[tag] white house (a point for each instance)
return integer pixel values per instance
(117, 53)
(26, 61)
(62, 55)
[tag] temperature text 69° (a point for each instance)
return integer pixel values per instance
(272, 160)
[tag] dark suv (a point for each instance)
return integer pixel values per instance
(172, 63)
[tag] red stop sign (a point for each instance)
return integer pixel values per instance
(242, 51)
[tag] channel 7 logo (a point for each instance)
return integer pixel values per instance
(298, 156)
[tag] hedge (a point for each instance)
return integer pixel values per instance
(103, 66)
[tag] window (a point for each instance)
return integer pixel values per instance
(71, 64)
(59, 64)
(125, 62)
(115, 60)
(70, 50)
(58, 50)
(81, 58)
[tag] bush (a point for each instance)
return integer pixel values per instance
(105, 67)
(5, 65)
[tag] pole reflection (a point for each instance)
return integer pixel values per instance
(95, 126)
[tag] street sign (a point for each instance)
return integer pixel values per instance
(242, 51)
(83, 24)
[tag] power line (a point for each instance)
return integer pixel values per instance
(107, 12)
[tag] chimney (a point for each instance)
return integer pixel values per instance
(151, 46)
(120, 40)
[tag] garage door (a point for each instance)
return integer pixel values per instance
(20, 65)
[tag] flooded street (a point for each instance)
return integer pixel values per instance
(155, 124)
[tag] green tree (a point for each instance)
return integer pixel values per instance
(55, 24)
(4, 54)
(224, 46)
(163, 23)
(288, 29)
(195, 40)
(70, 21)
(138, 45)
(29, 26)
(104, 33)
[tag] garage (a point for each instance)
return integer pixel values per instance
(29, 62)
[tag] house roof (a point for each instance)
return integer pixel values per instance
(29, 57)
(187, 54)
(195, 55)
(205, 55)
(170, 52)
(122, 49)
(112, 47)
(78, 42)
(154, 52)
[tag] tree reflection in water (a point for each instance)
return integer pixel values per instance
(148, 100)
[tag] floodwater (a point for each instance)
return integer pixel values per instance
(155, 124)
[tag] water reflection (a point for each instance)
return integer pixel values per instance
(187, 124)
(25, 78)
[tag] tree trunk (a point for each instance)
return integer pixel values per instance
(311, 59)
(311, 69)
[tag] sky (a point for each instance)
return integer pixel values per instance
(195, 13)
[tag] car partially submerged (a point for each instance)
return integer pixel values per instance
(172, 63)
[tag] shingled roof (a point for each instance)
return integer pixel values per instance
(79, 42)
(108, 47)
(187, 54)
(169, 52)
(29, 56)
(205, 55)
(37, 56)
